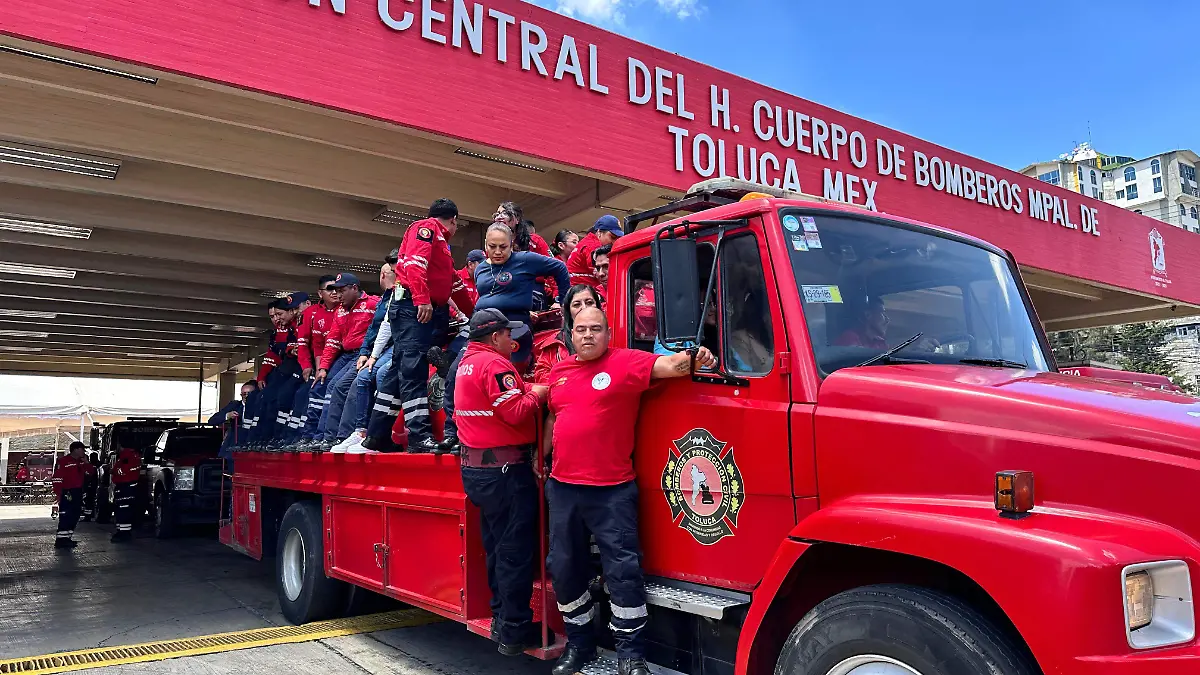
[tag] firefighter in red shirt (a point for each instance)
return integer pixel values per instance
(127, 469)
(311, 399)
(606, 230)
(338, 363)
(419, 314)
(467, 273)
(70, 473)
(594, 398)
(497, 415)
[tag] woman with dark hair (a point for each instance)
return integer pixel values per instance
(554, 346)
(525, 238)
(564, 243)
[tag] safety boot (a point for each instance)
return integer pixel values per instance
(65, 543)
(572, 661)
(427, 445)
(632, 667)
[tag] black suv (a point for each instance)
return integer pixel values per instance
(182, 483)
(135, 433)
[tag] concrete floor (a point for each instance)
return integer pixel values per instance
(104, 594)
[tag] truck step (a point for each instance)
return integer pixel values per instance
(692, 600)
(607, 665)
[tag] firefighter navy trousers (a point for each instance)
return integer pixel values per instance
(406, 386)
(123, 496)
(609, 513)
(508, 501)
(70, 503)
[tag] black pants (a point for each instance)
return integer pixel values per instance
(89, 496)
(405, 388)
(123, 496)
(610, 515)
(508, 502)
(70, 503)
(275, 405)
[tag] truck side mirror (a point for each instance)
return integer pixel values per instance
(676, 289)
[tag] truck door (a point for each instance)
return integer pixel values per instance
(712, 453)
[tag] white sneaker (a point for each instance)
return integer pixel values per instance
(358, 449)
(352, 440)
(353, 445)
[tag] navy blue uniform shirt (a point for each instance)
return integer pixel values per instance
(509, 287)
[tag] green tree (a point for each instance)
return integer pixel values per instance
(1138, 347)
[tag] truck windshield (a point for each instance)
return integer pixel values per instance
(193, 442)
(868, 287)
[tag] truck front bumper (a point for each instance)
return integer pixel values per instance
(188, 508)
(1184, 660)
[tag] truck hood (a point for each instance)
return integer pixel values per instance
(946, 430)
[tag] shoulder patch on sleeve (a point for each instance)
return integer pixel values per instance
(506, 380)
(425, 234)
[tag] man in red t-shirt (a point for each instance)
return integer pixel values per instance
(594, 399)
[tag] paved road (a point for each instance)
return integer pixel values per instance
(103, 594)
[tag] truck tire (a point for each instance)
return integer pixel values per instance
(305, 593)
(897, 630)
(164, 520)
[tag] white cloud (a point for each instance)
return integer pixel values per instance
(680, 8)
(599, 11)
(614, 12)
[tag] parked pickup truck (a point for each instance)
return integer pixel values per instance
(182, 484)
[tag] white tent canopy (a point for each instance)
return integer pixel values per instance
(67, 397)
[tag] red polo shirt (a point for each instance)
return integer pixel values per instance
(595, 405)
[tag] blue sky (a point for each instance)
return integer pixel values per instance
(1008, 82)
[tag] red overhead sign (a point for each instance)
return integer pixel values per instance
(514, 76)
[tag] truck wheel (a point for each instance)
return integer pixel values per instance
(164, 523)
(305, 593)
(897, 630)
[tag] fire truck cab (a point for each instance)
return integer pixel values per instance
(885, 474)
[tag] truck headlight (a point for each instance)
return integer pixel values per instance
(185, 478)
(1158, 604)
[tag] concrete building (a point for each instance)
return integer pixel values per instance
(1162, 186)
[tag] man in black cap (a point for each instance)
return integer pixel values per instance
(283, 376)
(337, 367)
(498, 416)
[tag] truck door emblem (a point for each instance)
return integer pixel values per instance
(1158, 255)
(702, 481)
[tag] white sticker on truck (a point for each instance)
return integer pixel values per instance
(251, 497)
(822, 294)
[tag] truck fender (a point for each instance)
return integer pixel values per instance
(1054, 573)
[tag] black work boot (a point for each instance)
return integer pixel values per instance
(450, 444)
(65, 543)
(424, 446)
(632, 667)
(530, 638)
(572, 661)
(379, 444)
(495, 636)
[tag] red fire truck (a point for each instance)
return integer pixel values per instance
(885, 475)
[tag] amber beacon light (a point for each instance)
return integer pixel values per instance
(1014, 492)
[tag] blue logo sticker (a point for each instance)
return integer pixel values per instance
(791, 224)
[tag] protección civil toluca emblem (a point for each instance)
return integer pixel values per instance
(703, 484)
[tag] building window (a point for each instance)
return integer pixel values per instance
(1182, 211)
(1187, 171)
(1093, 176)
(1131, 191)
(1080, 175)
(1158, 183)
(1120, 194)
(1138, 211)
(1194, 214)
(1051, 177)
(1095, 193)
(1155, 167)
(1130, 174)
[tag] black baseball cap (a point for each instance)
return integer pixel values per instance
(292, 301)
(345, 279)
(484, 322)
(476, 256)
